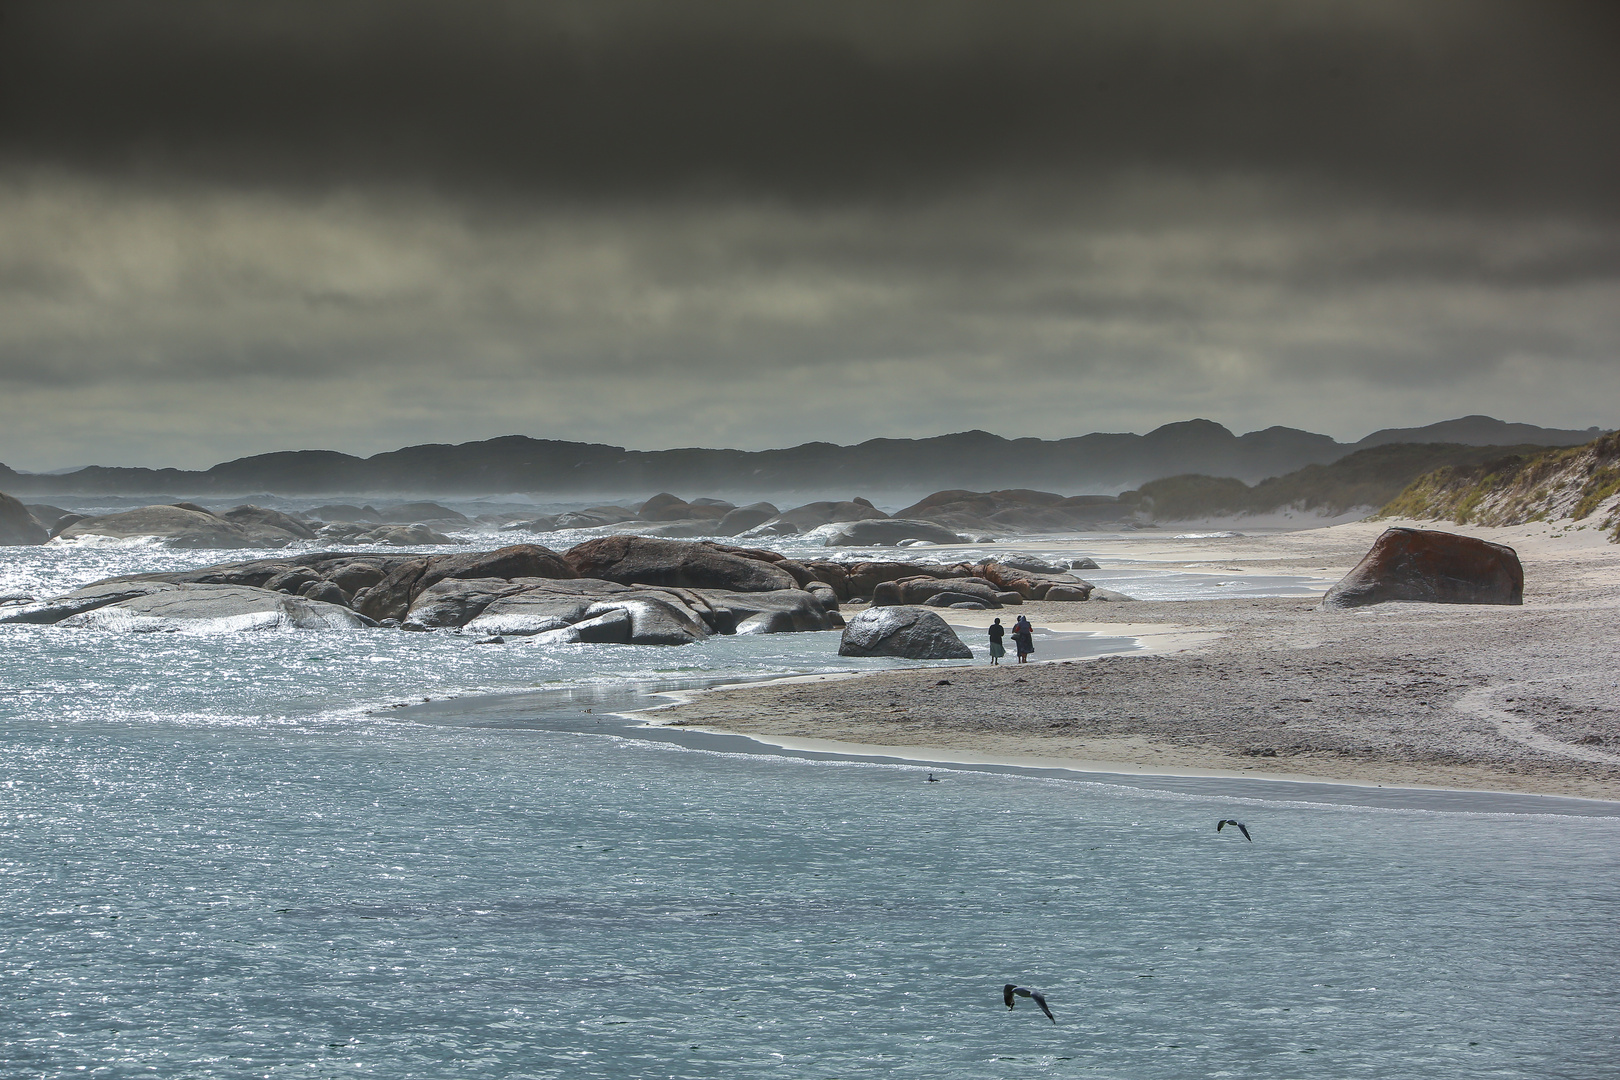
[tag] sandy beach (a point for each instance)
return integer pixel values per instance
(1484, 698)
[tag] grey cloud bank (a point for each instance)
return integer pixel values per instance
(233, 230)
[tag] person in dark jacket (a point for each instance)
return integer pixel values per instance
(1023, 639)
(997, 649)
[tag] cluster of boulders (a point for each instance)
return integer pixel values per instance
(633, 590)
(946, 517)
(624, 589)
(188, 525)
(667, 515)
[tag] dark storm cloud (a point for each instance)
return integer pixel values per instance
(231, 227)
(1443, 102)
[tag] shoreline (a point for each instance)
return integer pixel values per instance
(1510, 700)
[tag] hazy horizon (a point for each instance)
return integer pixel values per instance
(235, 229)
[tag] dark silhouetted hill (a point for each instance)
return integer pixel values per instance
(971, 459)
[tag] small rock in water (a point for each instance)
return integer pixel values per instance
(496, 640)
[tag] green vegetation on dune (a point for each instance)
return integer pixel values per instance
(1367, 478)
(1570, 482)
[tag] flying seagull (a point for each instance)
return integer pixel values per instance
(1009, 991)
(1219, 825)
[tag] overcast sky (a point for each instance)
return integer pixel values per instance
(228, 228)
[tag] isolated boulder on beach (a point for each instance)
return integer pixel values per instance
(1428, 566)
(914, 633)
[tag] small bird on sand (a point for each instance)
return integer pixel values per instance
(1009, 991)
(932, 779)
(1242, 828)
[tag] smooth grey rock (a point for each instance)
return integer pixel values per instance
(293, 580)
(1083, 563)
(18, 527)
(456, 602)
(652, 621)
(325, 592)
(611, 627)
(175, 526)
(887, 532)
(411, 513)
(743, 518)
(1019, 561)
(733, 609)
(802, 519)
(1110, 596)
(344, 512)
(215, 609)
(955, 599)
(268, 524)
(646, 560)
(48, 516)
(915, 633)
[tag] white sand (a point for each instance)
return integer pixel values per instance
(1460, 696)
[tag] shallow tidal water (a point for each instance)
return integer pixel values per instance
(220, 858)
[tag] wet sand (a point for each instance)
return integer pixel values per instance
(1521, 699)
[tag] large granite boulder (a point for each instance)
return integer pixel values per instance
(594, 517)
(911, 632)
(649, 560)
(392, 597)
(888, 532)
(176, 526)
(344, 512)
(268, 524)
(743, 518)
(147, 606)
(51, 516)
(1018, 510)
(802, 519)
(1429, 566)
(410, 513)
(666, 507)
(17, 526)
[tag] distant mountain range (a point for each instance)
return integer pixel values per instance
(1099, 462)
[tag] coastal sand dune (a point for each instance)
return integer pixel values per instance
(1460, 696)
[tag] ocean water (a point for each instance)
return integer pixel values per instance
(231, 856)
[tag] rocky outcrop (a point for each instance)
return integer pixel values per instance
(594, 517)
(743, 518)
(393, 595)
(888, 532)
(176, 526)
(357, 533)
(1017, 510)
(802, 519)
(920, 590)
(914, 633)
(645, 560)
(411, 513)
(1428, 566)
(148, 606)
(520, 590)
(17, 526)
(269, 525)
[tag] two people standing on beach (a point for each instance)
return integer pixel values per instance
(1023, 635)
(1023, 639)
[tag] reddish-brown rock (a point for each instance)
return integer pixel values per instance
(1429, 566)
